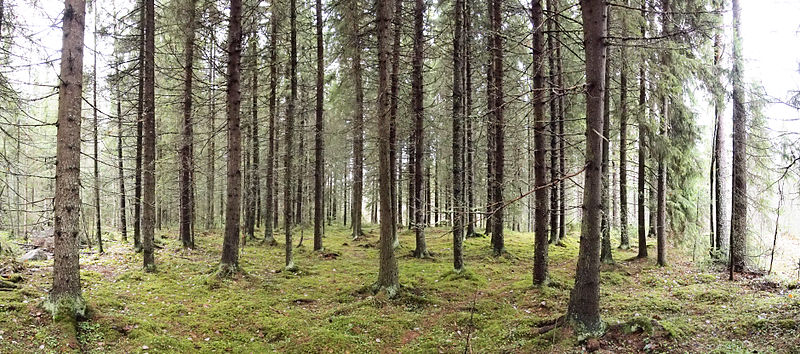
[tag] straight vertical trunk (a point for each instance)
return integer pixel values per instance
(269, 211)
(421, 249)
(642, 172)
(289, 136)
(661, 191)
(470, 148)
(187, 138)
(584, 302)
(498, 242)
(387, 273)
(738, 237)
(65, 300)
(458, 138)
(123, 222)
(98, 229)
(394, 153)
(605, 250)
(230, 247)
(623, 142)
(358, 119)
(540, 150)
(319, 148)
(553, 131)
(149, 140)
(210, 176)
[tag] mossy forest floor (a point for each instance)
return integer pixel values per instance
(326, 307)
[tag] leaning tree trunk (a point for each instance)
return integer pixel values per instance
(540, 150)
(738, 238)
(149, 141)
(187, 143)
(387, 273)
(584, 302)
(65, 300)
(229, 263)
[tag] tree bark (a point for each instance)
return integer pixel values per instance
(553, 131)
(661, 189)
(269, 212)
(394, 153)
(319, 147)
(623, 142)
(458, 138)
(123, 222)
(289, 137)
(605, 250)
(187, 138)
(230, 247)
(149, 141)
(642, 153)
(738, 237)
(387, 273)
(98, 227)
(65, 300)
(540, 255)
(212, 132)
(584, 305)
(470, 148)
(498, 124)
(421, 249)
(358, 119)
(137, 189)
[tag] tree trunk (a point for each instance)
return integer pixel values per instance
(605, 250)
(458, 138)
(387, 273)
(540, 150)
(137, 189)
(623, 142)
(269, 211)
(289, 137)
(661, 190)
(417, 105)
(149, 141)
(551, 58)
(319, 152)
(65, 300)
(394, 153)
(212, 132)
(498, 243)
(354, 14)
(722, 234)
(230, 247)
(187, 138)
(738, 237)
(98, 228)
(584, 305)
(642, 153)
(123, 222)
(470, 148)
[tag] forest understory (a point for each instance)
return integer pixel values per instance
(326, 306)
